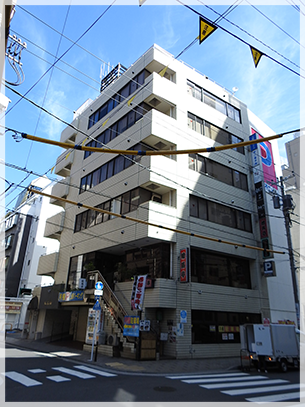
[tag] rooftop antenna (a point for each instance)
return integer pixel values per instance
(235, 89)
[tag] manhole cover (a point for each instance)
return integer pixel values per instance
(164, 388)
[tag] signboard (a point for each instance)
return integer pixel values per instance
(99, 285)
(131, 326)
(137, 294)
(269, 268)
(184, 265)
(93, 322)
(183, 317)
(145, 325)
(71, 296)
(13, 307)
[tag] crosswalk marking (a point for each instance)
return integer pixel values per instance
(36, 370)
(227, 379)
(72, 372)
(22, 379)
(58, 378)
(276, 397)
(207, 376)
(95, 371)
(242, 384)
(262, 389)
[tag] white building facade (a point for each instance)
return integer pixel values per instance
(24, 244)
(194, 307)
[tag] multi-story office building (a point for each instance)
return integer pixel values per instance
(199, 289)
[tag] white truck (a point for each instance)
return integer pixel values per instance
(278, 343)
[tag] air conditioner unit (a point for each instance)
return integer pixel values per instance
(112, 340)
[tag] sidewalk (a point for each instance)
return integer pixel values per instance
(73, 350)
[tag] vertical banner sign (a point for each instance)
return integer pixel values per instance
(268, 174)
(137, 294)
(267, 159)
(184, 265)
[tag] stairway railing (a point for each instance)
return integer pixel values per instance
(114, 304)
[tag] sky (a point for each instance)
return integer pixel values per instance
(122, 34)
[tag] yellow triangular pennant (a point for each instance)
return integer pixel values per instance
(162, 73)
(205, 29)
(130, 100)
(105, 122)
(52, 169)
(68, 155)
(141, 2)
(256, 54)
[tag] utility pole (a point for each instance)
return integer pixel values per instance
(287, 205)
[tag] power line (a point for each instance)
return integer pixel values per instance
(269, 19)
(152, 224)
(58, 59)
(49, 81)
(245, 42)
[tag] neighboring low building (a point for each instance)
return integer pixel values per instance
(24, 243)
(199, 289)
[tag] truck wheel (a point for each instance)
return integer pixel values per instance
(283, 365)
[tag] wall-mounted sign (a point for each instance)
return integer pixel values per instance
(71, 296)
(184, 265)
(269, 268)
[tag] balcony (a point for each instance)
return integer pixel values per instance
(54, 226)
(47, 265)
(69, 134)
(60, 189)
(64, 163)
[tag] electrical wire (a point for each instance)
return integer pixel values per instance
(152, 224)
(49, 82)
(58, 59)
(243, 41)
(276, 25)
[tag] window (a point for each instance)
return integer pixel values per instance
(84, 220)
(219, 327)
(218, 269)
(78, 222)
(218, 171)
(104, 172)
(213, 101)
(122, 124)
(91, 218)
(96, 177)
(118, 164)
(218, 213)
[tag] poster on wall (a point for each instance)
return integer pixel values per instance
(180, 329)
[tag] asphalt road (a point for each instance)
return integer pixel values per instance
(35, 377)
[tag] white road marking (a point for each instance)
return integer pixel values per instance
(36, 371)
(207, 376)
(58, 378)
(95, 371)
(239, 384)
(228, 379)
(66, 354)
(276, 397)
(263, 389)
(22, 379)
(73, 373)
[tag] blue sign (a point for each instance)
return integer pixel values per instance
(96, 306)
(99, 285)
(131, 326)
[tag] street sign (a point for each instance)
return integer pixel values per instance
(96, 306)
(99, 285)
(98, 292)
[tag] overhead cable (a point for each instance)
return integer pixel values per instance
(81, 205)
